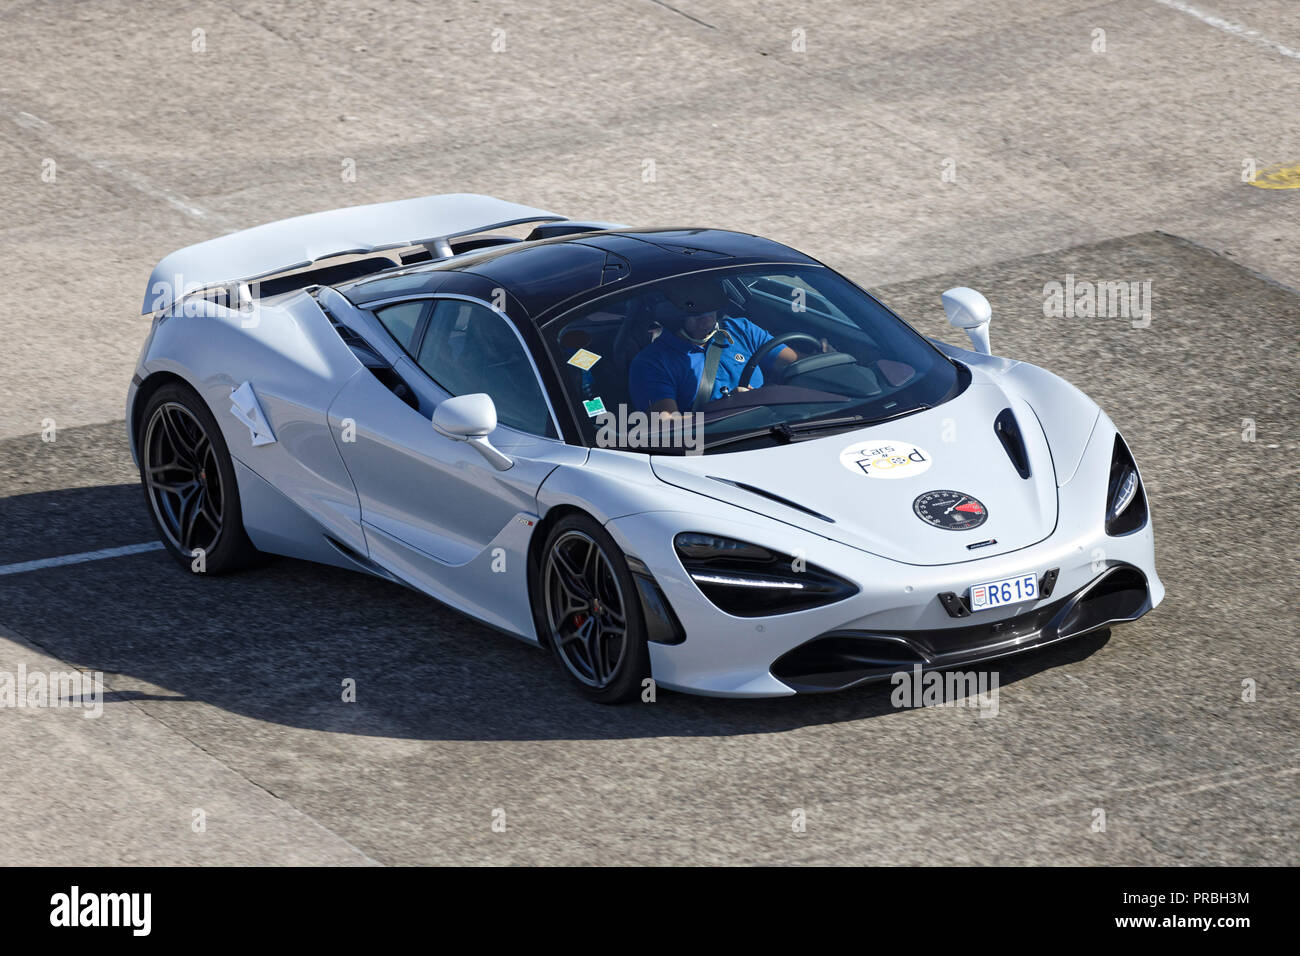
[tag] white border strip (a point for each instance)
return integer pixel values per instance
(1231, 26)
(80, 558)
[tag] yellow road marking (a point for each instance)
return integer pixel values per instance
(1278, 176)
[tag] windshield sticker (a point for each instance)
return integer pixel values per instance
(594, 406)
(584, 359)
(886, 459)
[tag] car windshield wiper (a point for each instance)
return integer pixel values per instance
(922, 407)
(786, 433)
(816, 425)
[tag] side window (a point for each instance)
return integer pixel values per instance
(402, 319)
(469, 348)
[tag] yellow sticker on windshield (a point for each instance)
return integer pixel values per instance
(584, 359)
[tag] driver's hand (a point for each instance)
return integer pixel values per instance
(827, 347)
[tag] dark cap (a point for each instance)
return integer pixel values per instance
(694, 295)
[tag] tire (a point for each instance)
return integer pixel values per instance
(582, 566)
(189, 483)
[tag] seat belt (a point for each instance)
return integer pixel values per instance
(712, 356)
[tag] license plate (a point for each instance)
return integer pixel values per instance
(1023, 587)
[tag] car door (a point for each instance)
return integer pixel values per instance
(434, 511)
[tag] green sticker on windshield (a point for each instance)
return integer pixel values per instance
(594, 406)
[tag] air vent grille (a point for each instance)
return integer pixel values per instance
(1008, 432)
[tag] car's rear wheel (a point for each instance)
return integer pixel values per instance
(189, 483)
(591, 612)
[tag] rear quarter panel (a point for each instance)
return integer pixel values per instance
(296, 363)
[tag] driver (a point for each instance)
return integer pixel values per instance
(666, 375)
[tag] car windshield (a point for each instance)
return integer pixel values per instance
(729, 359)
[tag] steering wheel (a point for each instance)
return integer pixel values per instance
(798, 367)
(767, 348)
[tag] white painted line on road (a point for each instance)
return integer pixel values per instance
(1231, 26)
(80, 558)
(133, 179)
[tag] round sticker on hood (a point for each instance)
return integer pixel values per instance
(950, 510)
(886, 459)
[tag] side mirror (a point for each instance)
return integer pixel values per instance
(969, 310)
(471, 418)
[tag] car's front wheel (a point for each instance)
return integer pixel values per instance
(189, 483)
(591, 612)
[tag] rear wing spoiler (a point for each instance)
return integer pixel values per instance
(293, 244)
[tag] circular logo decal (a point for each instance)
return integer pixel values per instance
(950, 510)
(886, 459)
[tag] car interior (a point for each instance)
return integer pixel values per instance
(618, 329)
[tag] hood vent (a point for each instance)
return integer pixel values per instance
(771, 497)
(1008, 432)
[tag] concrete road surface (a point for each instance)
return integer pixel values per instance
(1003, 145)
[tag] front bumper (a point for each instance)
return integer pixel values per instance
(846, 658)
(728, 656)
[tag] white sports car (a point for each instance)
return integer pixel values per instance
(691, 455)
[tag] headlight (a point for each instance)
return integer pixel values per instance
(752, 581)
(1126, 502)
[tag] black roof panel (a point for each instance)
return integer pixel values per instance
(551, 275)
(545, 274)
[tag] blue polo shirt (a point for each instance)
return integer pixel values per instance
(670, 366)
